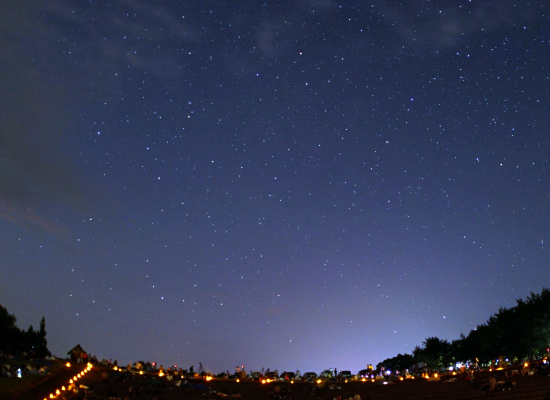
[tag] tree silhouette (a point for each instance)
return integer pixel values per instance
(15, 340)
(518, 332)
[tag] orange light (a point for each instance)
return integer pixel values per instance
(454, 373)
(263, 381)
(401, 378)
(63, 388)
(318, 381)
(346, 381)
(526, 365)
(238, 380)
(141, 372)
(373, 380)
(70, 381)
(57, 392)
(291, 382)
(363, 380)
(52, 396)
(68, 364)
(435, 375)
(161, 373)
(115, 368)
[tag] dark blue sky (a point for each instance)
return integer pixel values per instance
(293, 184)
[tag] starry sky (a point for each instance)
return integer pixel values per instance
(289, 184)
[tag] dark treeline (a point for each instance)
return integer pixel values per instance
(17, 341)
(520, 332)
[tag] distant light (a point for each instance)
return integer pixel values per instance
(68, 364)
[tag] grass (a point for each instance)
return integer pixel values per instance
(11, 387)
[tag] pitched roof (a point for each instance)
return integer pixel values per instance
(76, 349)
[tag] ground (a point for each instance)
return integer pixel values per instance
(94, 385)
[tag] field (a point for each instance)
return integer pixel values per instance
(117, 385)
(10, 388)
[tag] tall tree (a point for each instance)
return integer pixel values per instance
(42, 345)
(13, 339)
(9, 333)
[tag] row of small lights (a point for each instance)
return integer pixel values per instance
(161, 373)
(140, 372)
(362, 380)
(264, 381)
(72, 381)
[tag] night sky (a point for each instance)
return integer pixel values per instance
(287, 184)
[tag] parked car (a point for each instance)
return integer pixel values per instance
(309, 377)
(287, 376)
(344, 375)
(364, 373)
(256, 376)
(271, 375)
(327, 374)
